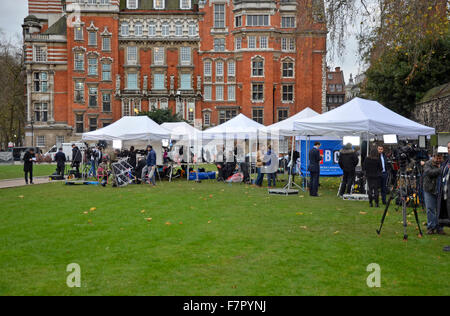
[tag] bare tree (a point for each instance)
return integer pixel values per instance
(12, 92)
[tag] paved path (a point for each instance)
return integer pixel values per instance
(13, 183)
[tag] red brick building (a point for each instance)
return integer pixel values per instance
(90, 62)
(335, 88)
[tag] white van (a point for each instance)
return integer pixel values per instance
(67, 150)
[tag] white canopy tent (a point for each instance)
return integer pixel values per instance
(130, 128)
(286, 127)
(182, 131)
(361, 117)
(239, 127)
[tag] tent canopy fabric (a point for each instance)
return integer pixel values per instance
(130, 128)
(360, 116)
(182, 131)
(239, 127)
(286, 127)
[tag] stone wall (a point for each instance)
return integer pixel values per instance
(434, 113)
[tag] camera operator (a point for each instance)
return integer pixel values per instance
(432, 173)
(384, 175)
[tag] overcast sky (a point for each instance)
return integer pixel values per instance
(12, 15)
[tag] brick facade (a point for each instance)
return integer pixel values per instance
(91, 62)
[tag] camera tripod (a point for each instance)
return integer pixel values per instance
(405, 185)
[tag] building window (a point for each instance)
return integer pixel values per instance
(288, 44)
(40, 54)
(124, 29)
(339, 88)
(238, 43)
(93, 97)
(159, 82)
(92, 66)
(106, 102)
(152, 30)
(258, 115)
(40, 82)
(79, 92)
(219, 69)
(257, 20)
(132, 55)
(207, 95)
(106, 44)
(238, 21)
(185, 53)
(219, 15)
(207, 69)
(185, 4)
(332, 87)
(106, 72)
(138, 31)
(41, 112)
(165, 30)
(283, 114)
(288, 22)
(178, 30)
(164, 104)
(258, 68)
(263, 42)
(257, 92)
(158, 4)
(92, 124)
(288, 70)
(132, 82)
(59, 140)
(231, 93)
(226, 115)
(132, 4)
(92, 39)
(186, 82)
(191, 111)
(40, 141)
(288, 93)
(126, 108)
(207, 119)
(79, 61)
(79, 123)
(78, 33)
(219, 44)
(158, 55)
(219, 93)
(231, 68)
(252, 42)
(192, 30)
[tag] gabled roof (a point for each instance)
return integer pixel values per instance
(58, 28)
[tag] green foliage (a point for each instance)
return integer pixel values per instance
(162, 116)
(399, 82)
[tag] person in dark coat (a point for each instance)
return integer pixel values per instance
(314, 169)
(384, 174)
(444, 194)
(373, 170)
(132, 157)
(76, 158)
(431, 186)
(28, 158)
(348, 160)
(60, 159)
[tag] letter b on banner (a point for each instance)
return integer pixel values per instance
(374, 279)
(74, 278)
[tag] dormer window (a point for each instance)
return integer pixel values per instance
(185, 4)
(159, 4)
(132, 4)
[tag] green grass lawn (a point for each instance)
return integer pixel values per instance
(208, 239)
(16, 171)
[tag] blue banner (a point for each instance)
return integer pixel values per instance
(329, 166)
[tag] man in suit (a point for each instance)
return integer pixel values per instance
(314, 169)
(28, 160)
(60, 159)
(384, 174)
